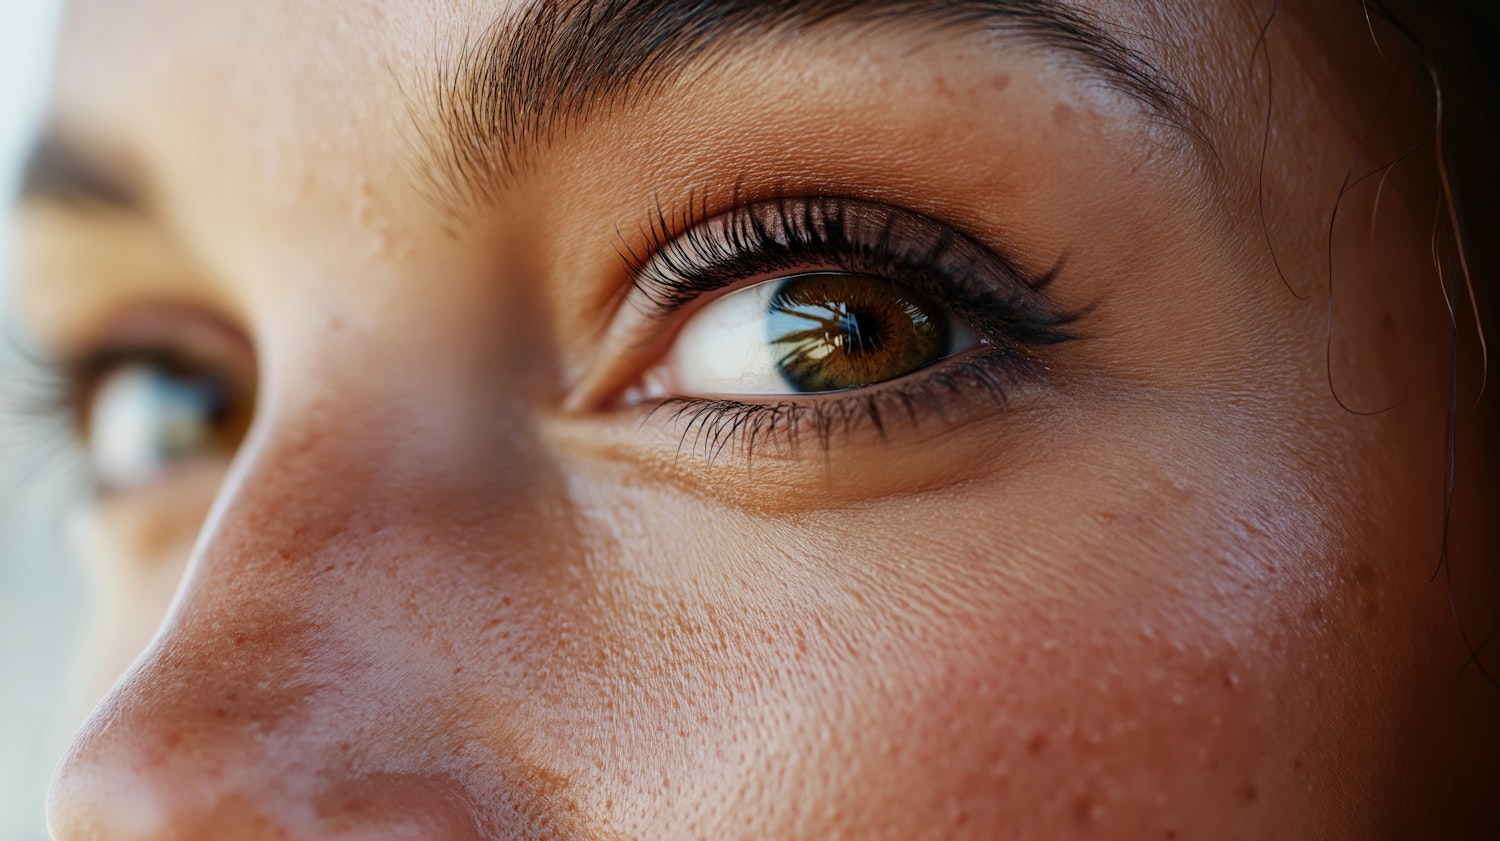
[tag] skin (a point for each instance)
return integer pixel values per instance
(449, 588)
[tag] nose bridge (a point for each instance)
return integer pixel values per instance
(258, 711)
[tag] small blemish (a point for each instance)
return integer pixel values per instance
(1363, 574)
(1062, 114)
(1001, 82)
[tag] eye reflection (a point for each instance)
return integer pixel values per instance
(839, 331)
(143, 419)
(812, 333)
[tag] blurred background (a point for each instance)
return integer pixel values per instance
(40, 593)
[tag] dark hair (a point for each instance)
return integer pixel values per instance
(1456, 40)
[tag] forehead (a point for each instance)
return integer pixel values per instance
(283, 142)
(244, 117)
(340, 69)
(179, 90)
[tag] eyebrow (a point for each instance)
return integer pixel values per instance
(509, 92)
(59, 170)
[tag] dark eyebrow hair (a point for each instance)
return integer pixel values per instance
(57, 169)
(508, 92)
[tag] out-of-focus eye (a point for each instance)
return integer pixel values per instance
(808, 333)
(145, 416)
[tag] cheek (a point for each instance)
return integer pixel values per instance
(993, 705)
(1076, 723)
(1155, 651)
(1177, 665)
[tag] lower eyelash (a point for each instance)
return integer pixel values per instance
(708, 427)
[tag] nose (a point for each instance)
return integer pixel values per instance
(217, 733)
(310, 682)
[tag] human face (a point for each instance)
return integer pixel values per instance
(1110, 555)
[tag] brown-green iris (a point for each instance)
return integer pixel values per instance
(835, 331)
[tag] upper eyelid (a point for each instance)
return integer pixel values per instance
(180, 337)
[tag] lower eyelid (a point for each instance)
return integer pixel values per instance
(951, 393)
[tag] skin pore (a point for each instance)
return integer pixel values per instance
(460, 579)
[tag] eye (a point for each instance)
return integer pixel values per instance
(841, 316)
(810, 333)
(145, 413)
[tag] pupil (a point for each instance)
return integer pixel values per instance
(861, 333)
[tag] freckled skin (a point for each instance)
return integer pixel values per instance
(1175, 591)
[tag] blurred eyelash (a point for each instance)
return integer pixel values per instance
(40, 392)
(1007, 307)
(45, 416)
(39, 438)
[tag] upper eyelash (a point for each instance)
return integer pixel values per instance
(783, 234)
(52, 391)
